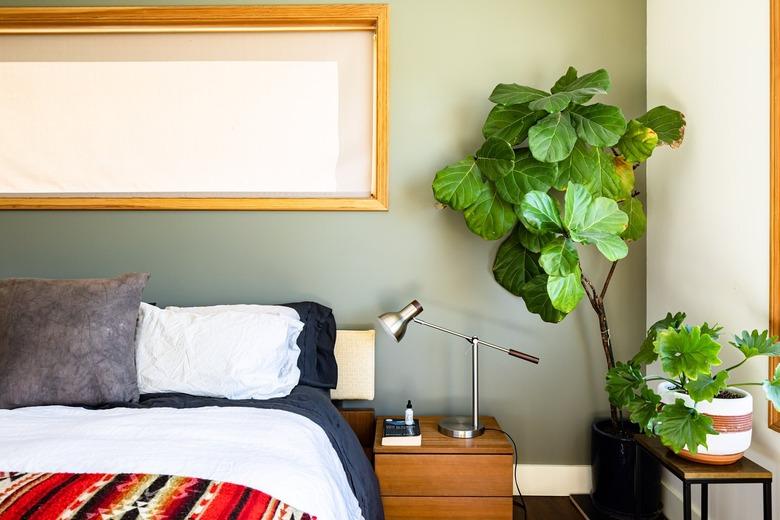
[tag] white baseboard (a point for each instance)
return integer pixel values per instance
(550, 480)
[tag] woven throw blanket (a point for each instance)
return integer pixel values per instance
(103, 496)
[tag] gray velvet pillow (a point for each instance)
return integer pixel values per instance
(69, 342)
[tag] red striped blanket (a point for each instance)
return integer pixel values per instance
(102, 496)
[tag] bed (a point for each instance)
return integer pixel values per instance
(174, 455)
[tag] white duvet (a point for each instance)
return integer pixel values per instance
(280, 453)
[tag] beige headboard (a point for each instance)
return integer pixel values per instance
(355, 357)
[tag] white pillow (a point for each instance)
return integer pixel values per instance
(280, 310)
(238, 355)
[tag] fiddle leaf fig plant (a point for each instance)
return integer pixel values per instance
(688, 355)
(555, 174)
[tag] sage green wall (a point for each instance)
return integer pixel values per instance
(446, 56)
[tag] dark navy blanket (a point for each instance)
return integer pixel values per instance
(314, 404)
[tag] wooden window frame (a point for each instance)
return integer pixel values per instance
(774, 193)
(183, 19)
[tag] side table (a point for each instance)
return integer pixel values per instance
(744, 471)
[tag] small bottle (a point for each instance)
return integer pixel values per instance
(409, 414)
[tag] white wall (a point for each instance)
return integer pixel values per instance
(708, 201)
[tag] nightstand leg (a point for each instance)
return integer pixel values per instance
(768, 500)
(705, 502)
(686, 501)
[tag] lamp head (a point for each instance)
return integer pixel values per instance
(395, 323)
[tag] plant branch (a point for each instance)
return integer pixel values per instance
(659, 378)
(609, 279)
(591, 296)
(746, 384)
(589, 290)
(736, 366)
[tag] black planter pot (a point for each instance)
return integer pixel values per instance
(613, 463)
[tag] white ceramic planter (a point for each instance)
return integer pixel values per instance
(731, 418)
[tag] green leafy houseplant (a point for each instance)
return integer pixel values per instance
(541, 147)
(688, 355)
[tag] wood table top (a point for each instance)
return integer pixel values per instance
(744, 469)
(433, 442)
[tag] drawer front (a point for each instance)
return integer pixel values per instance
(445, 475)
(451, 508)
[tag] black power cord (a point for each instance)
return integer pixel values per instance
(518, 500)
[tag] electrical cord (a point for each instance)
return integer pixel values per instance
(519, 500)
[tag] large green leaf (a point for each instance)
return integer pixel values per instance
(682, 427)
(756, 344)
(582, 89)
(538, 301)
(596, 221)
(578, 167)
(594, 169)
(772, 389)
(668, 124)
(552, 138)
(510, 123)
(605, 181)
(575, 204)
(706, 387)
(514, 265)
(566, 290)
(637, 221)
(713, 331)
(564, 81)
(644, 409)
(623, 381)
(532, 241)
(625, 175)
(598, 124)
(638, 143)
(514, 94)
(459, 185)
(601, 215)
(687, 352)
(559, 257)
(647, 353)
(490, 216)
(527, 174)
(539, 213)
(611, 246)
(495, 158)
(551, 103)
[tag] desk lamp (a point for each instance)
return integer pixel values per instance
(395, 324)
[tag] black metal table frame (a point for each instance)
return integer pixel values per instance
(687, 483)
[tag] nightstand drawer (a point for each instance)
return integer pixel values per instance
(451, 508)
(445, 475)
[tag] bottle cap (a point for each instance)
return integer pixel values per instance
(409, 403)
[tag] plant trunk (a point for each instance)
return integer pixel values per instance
(597, 302)
(609, 354)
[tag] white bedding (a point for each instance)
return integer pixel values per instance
(280, 453)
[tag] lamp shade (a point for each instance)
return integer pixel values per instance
(395, 323)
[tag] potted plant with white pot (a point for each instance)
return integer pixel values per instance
(697, 411)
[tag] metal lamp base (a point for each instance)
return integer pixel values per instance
(460, 427)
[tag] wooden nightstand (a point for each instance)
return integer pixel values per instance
(446, 477)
